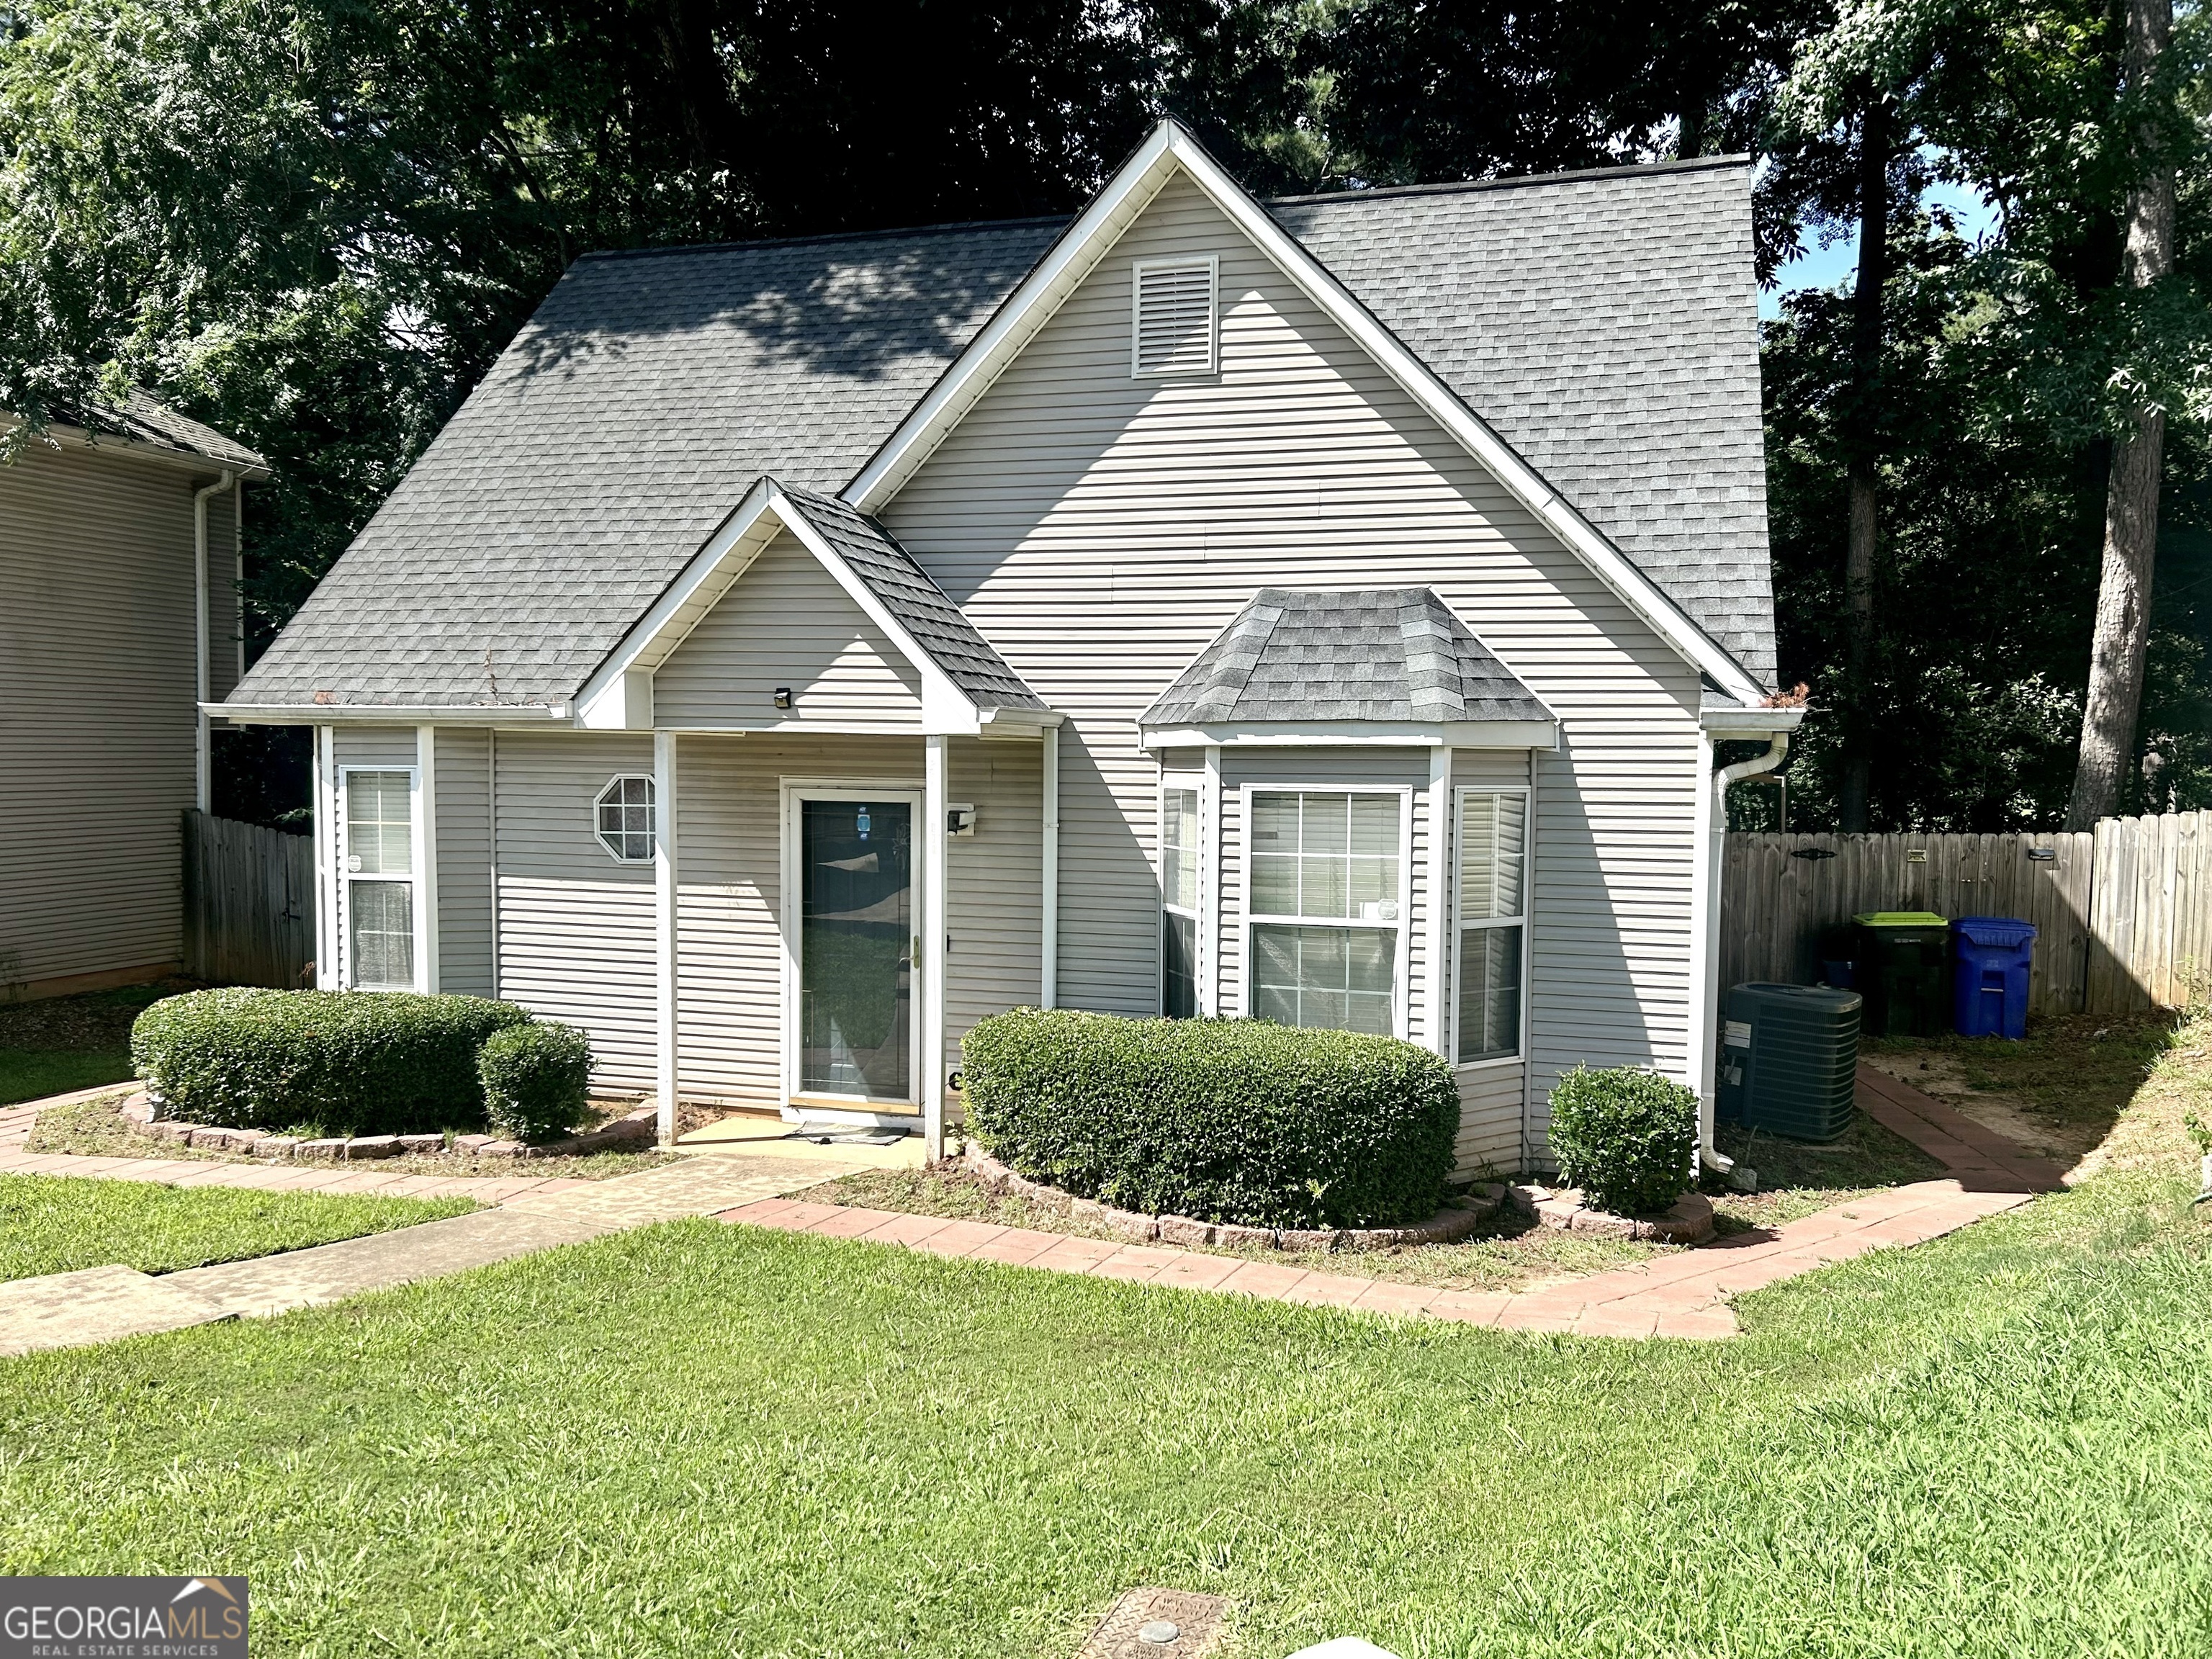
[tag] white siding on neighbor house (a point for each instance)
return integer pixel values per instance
(575, 928)
(462, 814)
(96, 714)
(787, 622)
(730, 912)
(1492, 1096)
(1100, 530)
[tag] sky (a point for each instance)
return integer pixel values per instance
(1820, 267)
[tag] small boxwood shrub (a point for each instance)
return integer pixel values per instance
(1222, 1120)
(354, 1062)
(1624, 1136)
(537, 1079)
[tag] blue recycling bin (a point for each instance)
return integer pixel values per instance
(1989, 958)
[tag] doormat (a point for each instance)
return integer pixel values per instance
(1158, 1623)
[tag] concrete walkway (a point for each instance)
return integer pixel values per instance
(1678, 1296)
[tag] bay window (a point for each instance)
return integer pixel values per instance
(1492, 922)
(1179, 850)
(1327, 907)
(377, 857)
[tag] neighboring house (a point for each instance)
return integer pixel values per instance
(1322, 609)
(119, 615)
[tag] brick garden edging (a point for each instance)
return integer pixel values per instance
(640, 1125)
(1689, 1221)
(1442, 1228)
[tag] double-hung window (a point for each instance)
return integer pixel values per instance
(1179, 845)
(378, 859)
(1493, 920)
(1327, 907)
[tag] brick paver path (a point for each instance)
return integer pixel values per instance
(1679, 1296)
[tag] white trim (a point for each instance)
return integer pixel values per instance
(1194, 785)
(930, 962)
(1750, 722)
(668, 1075)
(324, 781)
(393, 713)
(1211, 263)
(1337, 734)
(425, 829)
(491, 840)
(1460, 924)
(607, 702)
(1706, 846)
(792, 791)
(1400, 988)
(1438, 802)
(1209, 886)
(1170, 147)
(1048, 876)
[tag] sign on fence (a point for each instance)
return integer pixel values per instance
(2123, 916)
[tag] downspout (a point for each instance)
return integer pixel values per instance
(203, 771)
(1778, 751)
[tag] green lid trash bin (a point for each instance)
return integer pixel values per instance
(1903, 973)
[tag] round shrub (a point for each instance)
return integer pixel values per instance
(1223, 1120)
(353, 1062)
(1624, 1136)
(537, 1079)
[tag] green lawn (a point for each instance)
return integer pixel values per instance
(55, 1223)
(60, 1044)
(696, 1440)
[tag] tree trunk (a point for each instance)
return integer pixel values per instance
(2124, 588)
(1865, 439)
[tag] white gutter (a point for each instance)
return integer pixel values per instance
(202, 770)
(1778, 751)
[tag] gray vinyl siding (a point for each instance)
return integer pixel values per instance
(462, 842)
(730, 936)
(96, 708)
(373, 745)
(1101, 529)
(225, 633)
(787, 622)
(575, 928)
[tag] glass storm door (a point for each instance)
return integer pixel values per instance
(855, 944)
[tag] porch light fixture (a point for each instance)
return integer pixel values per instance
(783, 696)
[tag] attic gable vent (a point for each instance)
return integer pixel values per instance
(1174, 327)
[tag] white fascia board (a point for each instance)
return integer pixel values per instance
(1750, 722)
(316, 713)
(1334, 734)
(1026, 310)
(1087, 242)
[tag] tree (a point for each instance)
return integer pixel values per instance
(2123, 597)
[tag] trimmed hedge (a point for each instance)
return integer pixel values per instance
(537, 1079)
(354, 1062)
(1625, 1137)
(1222, 1120)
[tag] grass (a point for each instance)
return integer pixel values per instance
(57, 1224)
(93, 1128)
(698, 1440)
(1797, 1177)
(62, 1044)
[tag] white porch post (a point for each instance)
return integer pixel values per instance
(664, 894)
(1436, 938)
(326, 860)
(930, 958)
(1049, 966)
(1208, 964)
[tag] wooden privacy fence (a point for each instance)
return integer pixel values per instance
(2123, 916)
(249, 903)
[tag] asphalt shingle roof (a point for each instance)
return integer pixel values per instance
(1603, 323)
(146, 419)
(1378, 654)
(907, 592)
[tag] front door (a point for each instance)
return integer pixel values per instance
(856, 936)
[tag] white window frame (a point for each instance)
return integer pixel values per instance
(857, 1108)
(1401, 960)
(417, 853)
(1194, 785)
(652, 823)
(1460, 925)
(1137, 270)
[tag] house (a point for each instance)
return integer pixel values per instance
(118, 619)
(1325, 609)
